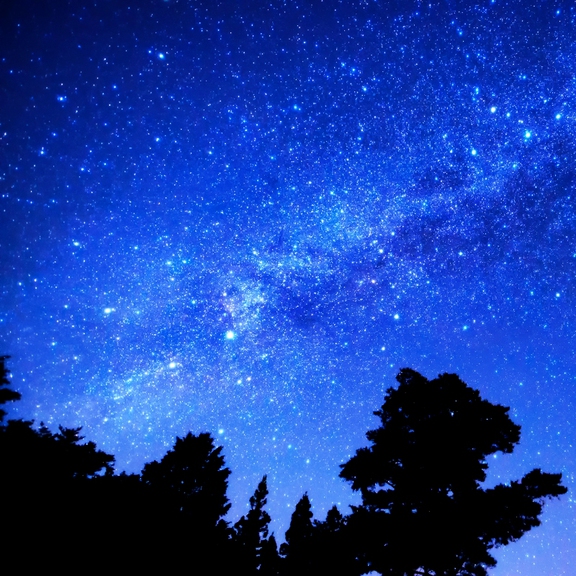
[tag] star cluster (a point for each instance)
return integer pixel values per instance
(246, 217)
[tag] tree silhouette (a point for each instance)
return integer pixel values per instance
(186, 495)
(192, 479)
(270, 561)
(256, 551)
(6, 394)
(48, 461)
(46, 480)
(298, 550)
(334, 552)
(319, 547)
(423, 508)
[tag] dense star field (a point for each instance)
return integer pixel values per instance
(244, 217)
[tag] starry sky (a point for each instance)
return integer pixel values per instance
(244, 217)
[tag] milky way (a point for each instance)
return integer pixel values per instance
(246, 217)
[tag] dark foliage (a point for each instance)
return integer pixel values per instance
(298, 550)
(424, 510)
(319, 547)
(192, 479)
(256, 551)
(270, 560)
(333, 544)
(186, 494)
(45, 481)
(6, 394)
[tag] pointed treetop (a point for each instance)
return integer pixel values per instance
(6, 394)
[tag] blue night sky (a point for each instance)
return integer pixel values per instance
(244, 217)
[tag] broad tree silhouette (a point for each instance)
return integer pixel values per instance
(45, 481)
(423, 509)
(192, 479)
(186, 494)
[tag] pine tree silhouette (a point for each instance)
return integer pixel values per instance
(255, 549)
(6, 394)
(298, 550)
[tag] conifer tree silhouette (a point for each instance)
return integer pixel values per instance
(423, 509)
(270, 561)
(334, 552)
(254, 547)
(6, 394)
(298, 550)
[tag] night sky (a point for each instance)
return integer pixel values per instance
(244, 217)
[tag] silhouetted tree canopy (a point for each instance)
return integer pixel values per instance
(334, 552)
(44, 482)
(270, 561)
(6, 394)
(257, 552)
(192, 479)
(186, 492)
(423, 508)
(298, 550)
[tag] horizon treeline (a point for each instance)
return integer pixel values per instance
(423, 508)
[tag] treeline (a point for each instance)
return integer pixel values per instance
(423, 509)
